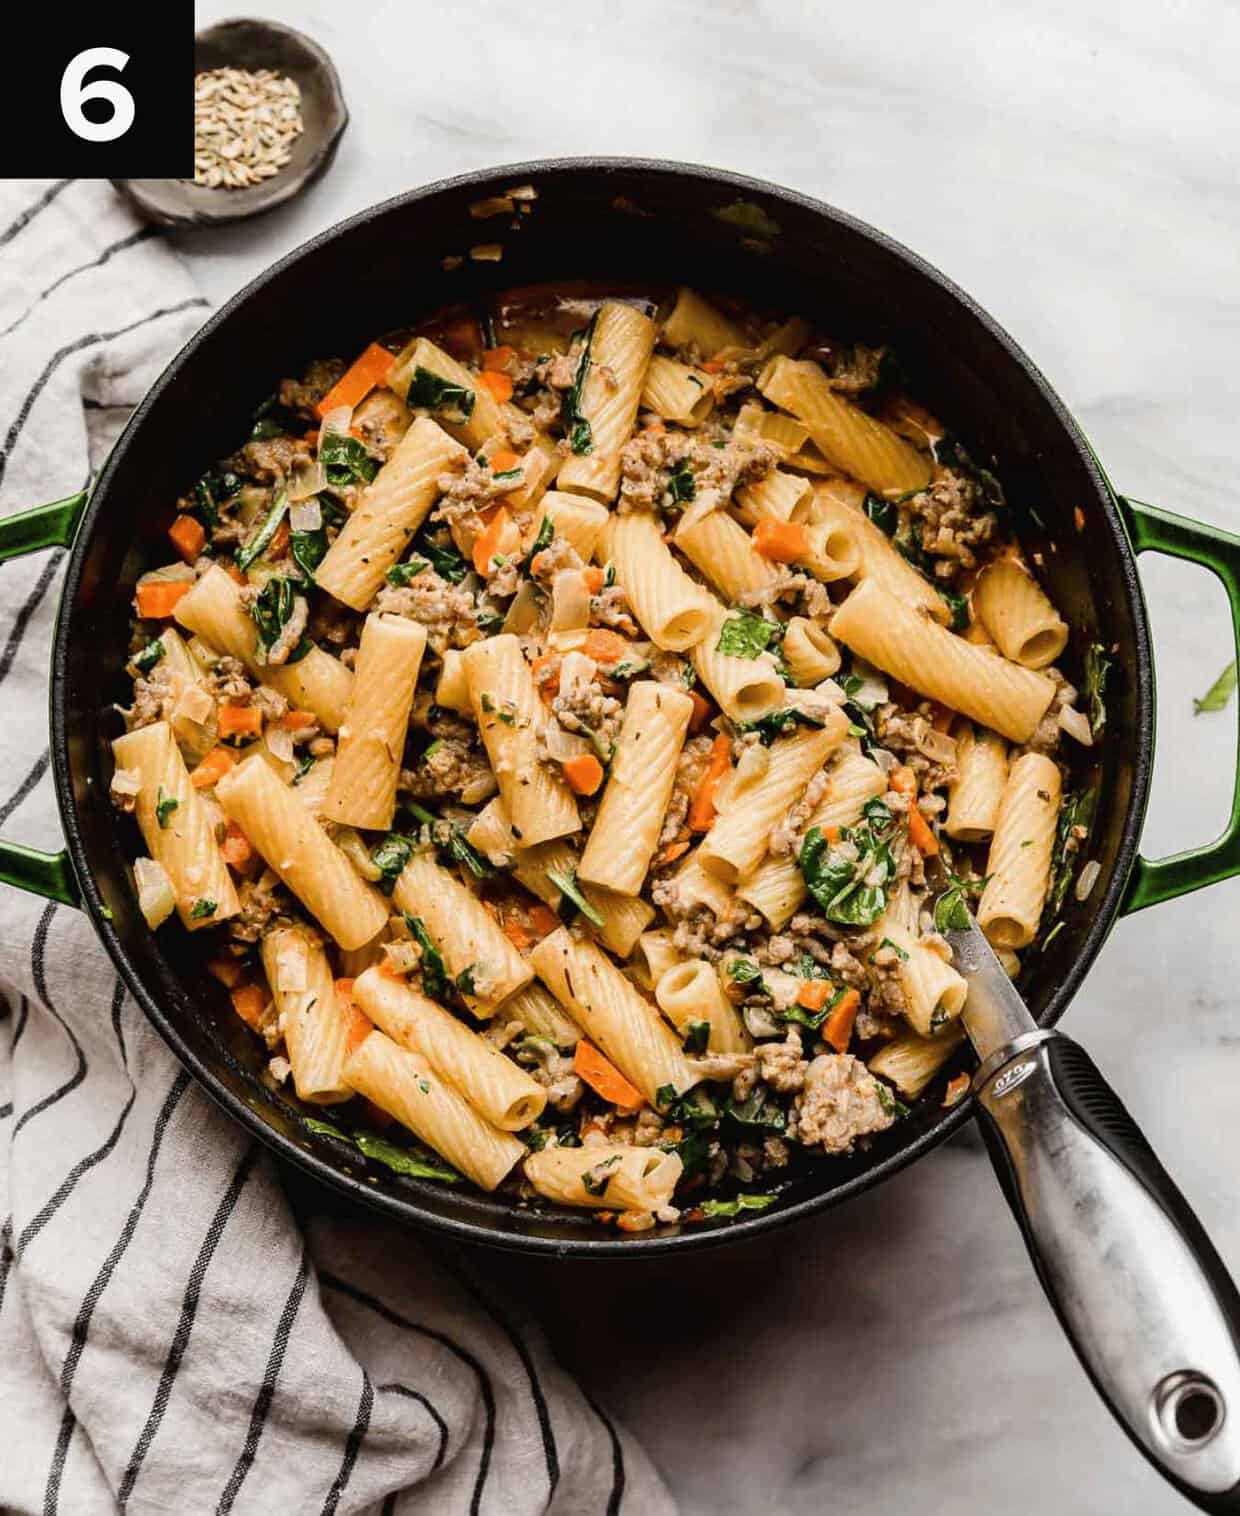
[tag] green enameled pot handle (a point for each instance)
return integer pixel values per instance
(1152, 530)
(46, 874)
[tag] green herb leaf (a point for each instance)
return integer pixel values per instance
(450, 838)
(1217, 697)
(759, 1112)
(745, 971)
(745, 635)
(146, 658)
(345, 460)
(681, 486)
(544, 539)
(595, 1180)
(565, 880)
(882, 513)
(465, 980)
(405, 573)
(889, 1100)
(775, 723)
(435, 979)
(390, 856)
(304, 764)
(697, 1035)
(202, 908)
(308, 550)
(852, 891)
(164, 807)
(261, 540)
(958, 605)
(271, 611)
(576, 425)
(402, 1160)
(1097, 668)
(733, 1207)
(433, 393)
(443, 557)
(748, 217)
(1077, 810)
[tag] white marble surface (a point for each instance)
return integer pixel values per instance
(1074, 167)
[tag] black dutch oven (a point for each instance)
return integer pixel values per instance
(630, 220)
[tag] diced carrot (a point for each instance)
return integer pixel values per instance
(234, 573)
(670, 853)
(248, 1002)
(158, 598)
(188, 537)
(814, 994)
(542, 918)
(956, 1090)
(297, 721)
(549, 687)
(363, 375)
(344, 990)
(228, 971)
(500, 385)
(212, 768)
(832, 834)
(360, 1027)
(537, 562)
(702, 807)
(594, 579)
(712, 366)
(504, 461)
(604, 646)
(278, 545)
(518, 933)
(238, 721)
(654, 426)
(780, 541)
(236, 848)
(488, 543)
(496, 359)
(604, 1078)
(584, 774)
(903, 780)
(920, 835)
(703, 712)
(839, 1024)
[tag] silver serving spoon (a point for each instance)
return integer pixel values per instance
(1144, 1298)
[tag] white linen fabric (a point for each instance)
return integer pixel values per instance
(170, 1339)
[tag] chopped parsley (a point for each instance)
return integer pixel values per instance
(895, 948)
(405, 573)
(745, 635)
(271, 612)
(697, 1035)
(345, 460)
(775, 723)
(576, 426)
(596, 1179)
(203, 907)
(738, 1203)
(544, 539)
(1217, 697)
(417, 1163)
(852, 891)
(450, 838)
(889, 1100)
(565, 880)
(146, 658)
(443, 557)
(432, 392)
(261, 540)
(435, 980)
(681, 486)
(1097, 669)
(164, 807)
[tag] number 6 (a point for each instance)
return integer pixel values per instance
(74, 94)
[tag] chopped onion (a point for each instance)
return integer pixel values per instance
(873, 688)
(126, 782)
(337, 421)
(577, 673)
(354, 849)
(887, 761)
(748, 773)
(312, 787)
(306, 478)
(1088, 878)
(279, 741)
(937, 746)
(1076, 724)
(194, 705)
(156, 897)
(563, 745)
(524, 612)
(306, 515)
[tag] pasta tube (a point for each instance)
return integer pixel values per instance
(975, 794)
(695, 324)
(777, 497)
(744, 688)
(873, 556)
(315, 1025)
(854, 441)
(510, 717)
(215, 611)
(928, 658)
(477, 956)
(541, 1016)
(1019, 864)
(643, 770)
(619, 350)
(425, 376)
(673, 611)
(910, 1062)
(934, 992)
(576, 518)
(497, 1088)
(677, 392)
(372, 739)
(613, 1014)
(809, 652)
(294, 846)
(606, 1176)
(391, 509)
(405, 1086)
(690, 995)
(176, 826)
(721, 551)
(1014, 609)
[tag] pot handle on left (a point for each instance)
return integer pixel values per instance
(1154, 530)
(47, 874)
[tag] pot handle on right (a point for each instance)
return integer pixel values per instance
(1154, 530)
(47, 874)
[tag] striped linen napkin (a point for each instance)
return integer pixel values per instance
(170, 1339)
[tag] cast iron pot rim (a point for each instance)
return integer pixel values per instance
(696, 1237)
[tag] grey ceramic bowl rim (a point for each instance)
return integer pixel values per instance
(697, 1236)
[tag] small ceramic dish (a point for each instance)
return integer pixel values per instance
(254, 44)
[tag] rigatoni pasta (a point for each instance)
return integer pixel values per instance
(1019, 861)
(314, 1022)
(1015, 610)
(615, 356)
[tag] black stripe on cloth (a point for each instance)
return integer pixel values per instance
(550, 1454)
(81, 1325)
(485, 1389)
(91, 339)
(618, 1480)
(143, 234)
(6, 1110)
(22, 620)
(185, 1324)
(6, 1256)
(38, 968)
(29, 783)
(410, 1394)
(27, 216)
(84, 1165)
(262, 1402)
(361, 1424)
(23, 1016)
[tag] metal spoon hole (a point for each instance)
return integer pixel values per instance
(1197, 1415)
(1190, 1410)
